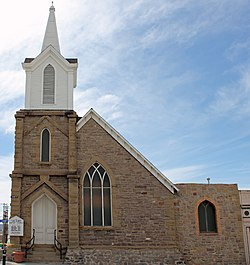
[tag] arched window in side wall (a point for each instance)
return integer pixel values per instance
(207, 217)
(45, 146)
(49, 85)
(97, 197)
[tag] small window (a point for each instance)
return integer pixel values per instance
(45, 146)
(207, 217)
(96, 197)
(49, 85)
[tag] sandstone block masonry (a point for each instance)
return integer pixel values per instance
(150, 225)
(224, 247)
(32, 178)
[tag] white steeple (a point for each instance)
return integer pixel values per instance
(51, 36)
(50, 78)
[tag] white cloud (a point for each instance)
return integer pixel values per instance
(106, 105)
(185, 174)
(7, 121)
(238, 48)
(6, 168)
(11, 86)
(23, 24)
(234, 99)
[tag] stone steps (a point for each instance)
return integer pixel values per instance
(44, 253)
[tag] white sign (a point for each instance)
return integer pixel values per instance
(16, 226)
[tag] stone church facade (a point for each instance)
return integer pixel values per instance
(77, 179)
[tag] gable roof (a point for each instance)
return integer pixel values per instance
(91, 114)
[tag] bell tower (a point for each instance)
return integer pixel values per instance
(50, 78)
(44, 180)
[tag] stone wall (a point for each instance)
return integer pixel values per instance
(32, 178)
(57, 124)
(120, 256)
(225, 246)
(142, 208)
(150, 225)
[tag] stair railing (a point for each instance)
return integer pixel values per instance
(29, 245)
(59, 247)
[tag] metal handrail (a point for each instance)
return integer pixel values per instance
(27, 247)
(58, 246)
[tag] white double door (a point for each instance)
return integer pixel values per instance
(44, 216)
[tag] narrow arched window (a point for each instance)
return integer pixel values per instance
(207, 217)
(49, 85)
(45, 145)
(96, 197)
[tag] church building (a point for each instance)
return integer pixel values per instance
(78, 184)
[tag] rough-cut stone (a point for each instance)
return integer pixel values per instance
(150, 225)
(129, 256)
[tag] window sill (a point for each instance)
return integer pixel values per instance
(97, 228)
(208, 233)
(45, 163)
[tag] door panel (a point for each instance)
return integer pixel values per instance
(44, 220)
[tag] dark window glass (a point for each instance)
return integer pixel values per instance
(86, 181)
(45, 145)
(202, 217)
(49, 85)
(97, 206)
(207, 217)
(106, 181)
(211, 218)
(91, 171)
(97, 197)
(87, 206)
(107, 209)
(96, 180)
(101, 170)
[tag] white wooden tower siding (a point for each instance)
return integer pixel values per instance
(50, 78)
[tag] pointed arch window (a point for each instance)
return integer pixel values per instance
(207, 217)
(96, 197)
(45, 146)
(49, 85)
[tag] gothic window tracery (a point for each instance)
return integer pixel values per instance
(96, 197)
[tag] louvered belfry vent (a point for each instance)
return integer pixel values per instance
(49, 85)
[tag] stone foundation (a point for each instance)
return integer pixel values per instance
(120, 256)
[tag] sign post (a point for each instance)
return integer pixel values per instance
(4, 236)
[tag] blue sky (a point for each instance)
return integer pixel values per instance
(173, 77)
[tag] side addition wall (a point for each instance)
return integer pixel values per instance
(224, 247)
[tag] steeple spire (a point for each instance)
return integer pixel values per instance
(51, 36)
